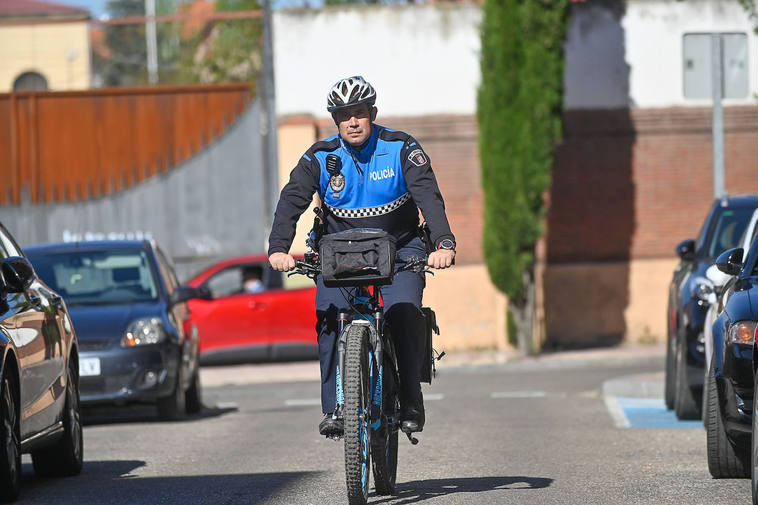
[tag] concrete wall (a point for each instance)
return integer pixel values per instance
(424, 59)
(59, 52)
(205, 209)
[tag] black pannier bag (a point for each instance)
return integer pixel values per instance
(361, 256)
(428, 368)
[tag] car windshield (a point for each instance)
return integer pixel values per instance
(727, 230)
(97, 277)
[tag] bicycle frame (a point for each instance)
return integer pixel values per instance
(373, 319)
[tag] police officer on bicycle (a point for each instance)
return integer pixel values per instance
(380, 180)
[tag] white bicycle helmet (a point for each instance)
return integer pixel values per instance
(350, 91)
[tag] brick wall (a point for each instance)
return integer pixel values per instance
(633, 183)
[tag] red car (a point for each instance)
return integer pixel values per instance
(253, 313)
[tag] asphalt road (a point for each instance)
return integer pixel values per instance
(530, 432)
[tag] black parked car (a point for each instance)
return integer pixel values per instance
(39, 375)
(685, 350)
(137, 342)
(730, 377)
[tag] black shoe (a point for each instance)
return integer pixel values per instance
(331, 426)
(412, 421)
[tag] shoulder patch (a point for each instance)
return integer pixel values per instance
(417, 157)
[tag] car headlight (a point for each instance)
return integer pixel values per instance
(742, 332)
(144, 332)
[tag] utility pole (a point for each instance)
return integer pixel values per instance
(151, 41)
(717, 124)
(268, 122)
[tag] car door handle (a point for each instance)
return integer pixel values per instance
(256, 305)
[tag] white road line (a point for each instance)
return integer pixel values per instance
(225, 405)
(434, 397)
(303, 401)
(616, 412)
(518, 394)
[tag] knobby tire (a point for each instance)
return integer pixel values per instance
(357, 405)
(384, 441)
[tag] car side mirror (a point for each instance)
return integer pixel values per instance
(18, 274)
(730, 261)
(204, 293)
(686, 250)
(184, 293)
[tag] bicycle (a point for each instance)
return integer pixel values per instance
(368, 384)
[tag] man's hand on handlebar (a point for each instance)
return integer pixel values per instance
(282, 262)
(441, 258)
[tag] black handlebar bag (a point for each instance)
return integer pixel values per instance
(358, 257)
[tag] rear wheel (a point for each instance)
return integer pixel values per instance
(65, 457)
(384, 440)
(10, 446)
(724, 461)
(357, 408)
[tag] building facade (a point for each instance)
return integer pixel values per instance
(43, 46)
(632, 177)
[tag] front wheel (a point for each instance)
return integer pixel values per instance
(10, 446)
(685, 403)
(65, 457)
(724, 459)
(357, 390)
(754, 444)
(173, 407)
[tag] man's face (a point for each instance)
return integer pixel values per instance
(354, 123)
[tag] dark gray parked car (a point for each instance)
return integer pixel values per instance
(39, 375)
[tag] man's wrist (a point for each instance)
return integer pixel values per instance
(446, 244)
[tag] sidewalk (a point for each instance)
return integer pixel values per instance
(309, 370)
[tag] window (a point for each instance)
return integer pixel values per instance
(30, 81)
(697, 65)
(98, 277)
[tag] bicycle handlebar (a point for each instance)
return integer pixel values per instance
(311, 265)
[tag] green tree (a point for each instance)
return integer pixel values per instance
(519, 108)
(126, 64)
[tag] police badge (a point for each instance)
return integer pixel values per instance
(337, 183)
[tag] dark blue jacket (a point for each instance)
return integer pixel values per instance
(381, 185)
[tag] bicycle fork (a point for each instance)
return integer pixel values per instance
(376, 368)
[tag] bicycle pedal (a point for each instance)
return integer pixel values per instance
(336, 438)
(412, 439)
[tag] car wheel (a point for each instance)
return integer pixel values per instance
(685, 404)
(10, 445)
(704, 403)
(670, 381)
(173, 407)
(65, 457)
(193, 398)
(724, 460)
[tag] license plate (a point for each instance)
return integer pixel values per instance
(89, 366)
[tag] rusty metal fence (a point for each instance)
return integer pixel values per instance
(72, 146)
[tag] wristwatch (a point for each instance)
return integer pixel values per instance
(446, 244)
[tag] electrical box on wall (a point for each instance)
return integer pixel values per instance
(697, 65)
